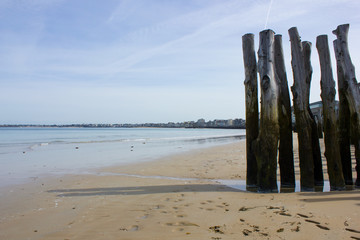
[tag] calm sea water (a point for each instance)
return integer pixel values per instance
(27, 153)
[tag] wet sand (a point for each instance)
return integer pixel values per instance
(185, 204)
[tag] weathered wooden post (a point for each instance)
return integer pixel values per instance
(252, 109)
(344, 122)
(351, 87)
(332, 150)
(301, 105)
(267, 142)
(286, 156)
(318, 171)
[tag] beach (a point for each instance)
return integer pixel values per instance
(173, 197)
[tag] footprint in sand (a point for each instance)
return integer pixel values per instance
(246, 232)
(183, 223)
(217, 229)
(134, 228)
(144, 216)
(158, 207)
(296, 229)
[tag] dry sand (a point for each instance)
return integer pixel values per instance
(110, 206)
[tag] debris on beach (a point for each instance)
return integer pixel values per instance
(352, 230)
(302, 215)
(311, 221)
(322, 227)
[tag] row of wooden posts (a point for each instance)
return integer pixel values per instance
(270, 139)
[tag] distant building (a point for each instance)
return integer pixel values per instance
(200, 123)
(317, 110)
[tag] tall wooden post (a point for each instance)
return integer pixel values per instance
(316, 151)
(301, 105)
(266, 144)
(344, 121)
(352, 90)
(286, 156)
(252, 110)
(332, 150)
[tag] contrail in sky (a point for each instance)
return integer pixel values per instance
(268, 14)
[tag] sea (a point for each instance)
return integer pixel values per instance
(28, 153)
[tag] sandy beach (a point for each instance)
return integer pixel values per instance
(133, 202)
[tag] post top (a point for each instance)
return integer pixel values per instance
(267, 30)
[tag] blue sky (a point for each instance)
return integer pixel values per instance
(87, 61)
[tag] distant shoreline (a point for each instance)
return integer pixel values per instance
(237, 123)
(115, 126)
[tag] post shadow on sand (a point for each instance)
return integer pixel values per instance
(140, 190)
(331, 196)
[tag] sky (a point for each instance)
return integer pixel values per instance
(137, 61)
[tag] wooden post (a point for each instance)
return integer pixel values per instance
(344, 121)
(252, 110)
(332, 150)
(267, 142)
(351, 87)
(301, 106)
(318, 171)
(286, 156)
